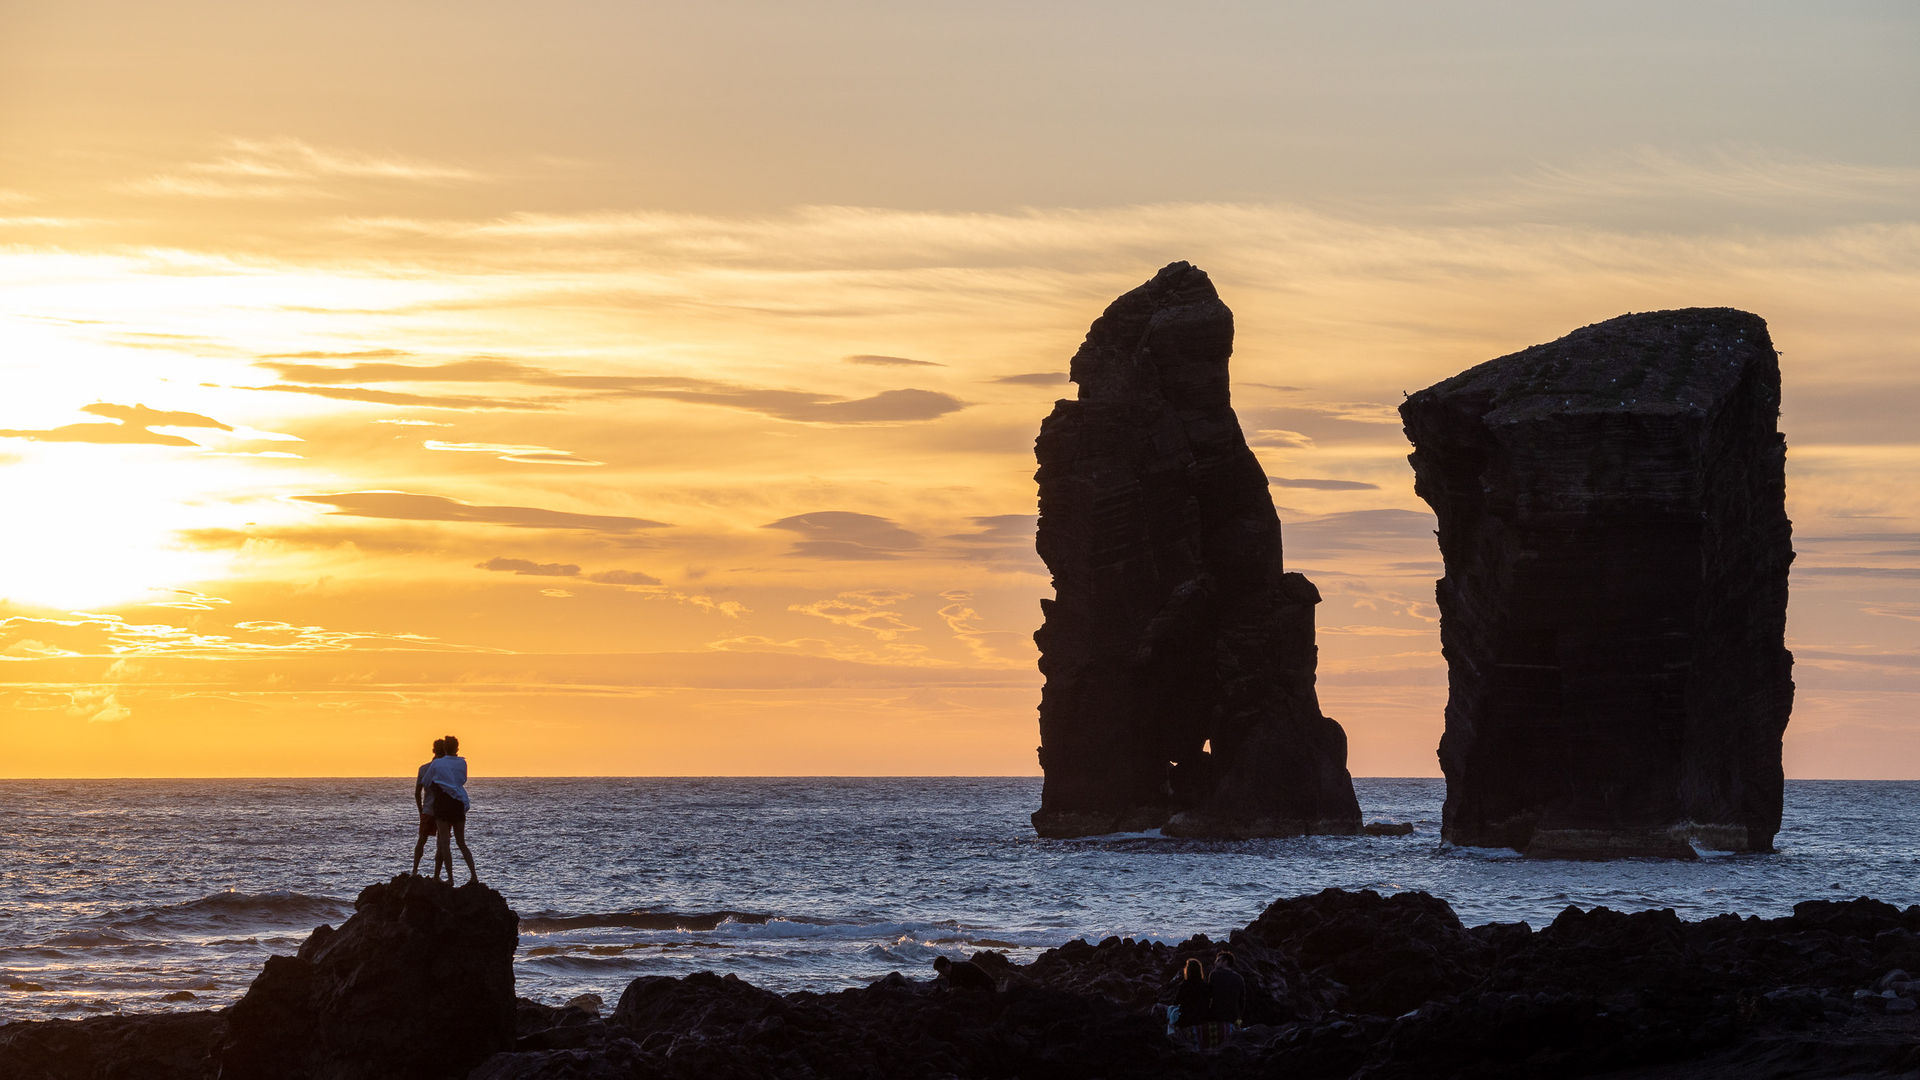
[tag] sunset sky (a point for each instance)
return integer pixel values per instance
(649, 389)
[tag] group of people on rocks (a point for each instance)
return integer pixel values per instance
(440, 794)
(1208, 1005)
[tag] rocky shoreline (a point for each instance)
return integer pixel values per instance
(1341, 985)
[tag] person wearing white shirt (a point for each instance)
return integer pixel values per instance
(446, 779)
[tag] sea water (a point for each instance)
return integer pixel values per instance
(116, 895)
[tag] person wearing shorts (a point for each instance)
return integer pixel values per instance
(447, 777)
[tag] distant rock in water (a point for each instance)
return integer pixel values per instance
(417, 984)
(1613, 522)
(1174, 624)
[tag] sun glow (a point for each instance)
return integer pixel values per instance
(95, 526)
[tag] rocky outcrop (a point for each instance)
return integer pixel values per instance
(1178, 652)
(418, 983)
(1339, 985)
(1613, 523)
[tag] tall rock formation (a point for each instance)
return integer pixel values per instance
(1174, 625)
(1613, 521)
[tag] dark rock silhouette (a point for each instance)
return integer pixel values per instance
(1339, 985)
(1174, 625)
(162, 1046)
(418, 983)
(1613, 522)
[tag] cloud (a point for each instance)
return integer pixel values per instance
(999, 528)
(130, 427)
(286, 168)
(801, 406)
(529, 567)
(1317, 483)
(100, 635)
(622, 577)
(862, 609)
(391, 397)
(484, 370)
(410, 507)
(890, 361)
(844, 534)
(1280, 439)
(526, 455)
(1361, 530)
(1033, 378)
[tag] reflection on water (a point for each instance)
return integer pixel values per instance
(116, 894)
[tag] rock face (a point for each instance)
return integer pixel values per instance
(1338, 984)
(1174, 624)
(418, 983)
(1613, 523)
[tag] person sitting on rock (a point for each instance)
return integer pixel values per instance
(423, 801)
(965, 975)
(1191, 1004)
(1227, 991)
(448, 778)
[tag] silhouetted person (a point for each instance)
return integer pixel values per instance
(1193, 999)
(1227, 991)
(965, 975)
(423, 801)
(448, 777)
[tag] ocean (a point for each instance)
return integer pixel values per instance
(150, 895)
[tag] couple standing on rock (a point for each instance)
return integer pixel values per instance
(440, 793)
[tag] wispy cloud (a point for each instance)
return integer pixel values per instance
(287, 168)
(407, 506)
(526, 455)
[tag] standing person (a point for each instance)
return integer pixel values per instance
(448, 777)
(1227, 990)
(423, 801)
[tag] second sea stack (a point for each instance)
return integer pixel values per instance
(1612, 511)
(1178, 653)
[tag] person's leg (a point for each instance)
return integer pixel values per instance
(460, 834)
(442, 855)
(419, 849)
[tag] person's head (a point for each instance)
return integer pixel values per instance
(942, 965)
(453, 744)
(1223, 959)
(439, 748)
(1194, 970)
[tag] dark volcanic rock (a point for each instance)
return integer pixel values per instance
(1340, 985)
(1613, 521)
(418, 983)
(1174, 623)
(166, 1046)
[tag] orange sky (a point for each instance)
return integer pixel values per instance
(647, 393)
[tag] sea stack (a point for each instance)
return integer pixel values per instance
(1612, 512)
(1178, 653)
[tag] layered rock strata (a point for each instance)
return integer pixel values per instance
(1613, 523)
(1178, 652)
(416, 985)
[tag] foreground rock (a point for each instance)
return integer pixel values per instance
(418, 983)
(1174, 624)
(1341, 985)
(1613, 521)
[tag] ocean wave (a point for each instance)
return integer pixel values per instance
(229, 910)
(697, 922)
